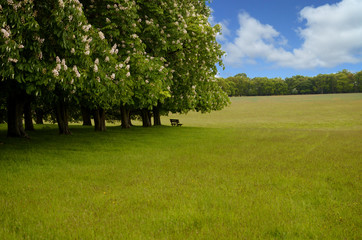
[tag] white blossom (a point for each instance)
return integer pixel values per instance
(113, 76)
(64, 65)
(75, 69)
(87, 51)
(40, 40)
(128, 74)
(61, 3)
(86, 27)
(55, 72)
(85, 38)
(12, 60)
(119, 66)
(107, 59)
(114, 49)
(72, 50)
(101, 35)
(6, 33)
(95, 68)
(127, 59)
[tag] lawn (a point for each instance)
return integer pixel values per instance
(281, 167)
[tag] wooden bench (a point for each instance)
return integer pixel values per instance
(175, 122)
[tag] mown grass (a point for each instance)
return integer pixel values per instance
(284, 167)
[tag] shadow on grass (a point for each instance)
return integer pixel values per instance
(45, 138)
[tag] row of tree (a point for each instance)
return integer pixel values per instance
(140, 56)
(341, 82)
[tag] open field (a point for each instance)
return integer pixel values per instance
(283, 167)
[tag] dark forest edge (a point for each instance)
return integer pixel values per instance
(341, 82)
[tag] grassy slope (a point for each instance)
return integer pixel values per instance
(264, 168)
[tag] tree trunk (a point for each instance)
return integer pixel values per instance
(86, 115)
(146, 120)
(156, 116)
(125, 117)
(99, 120)
(61, 110)
(102, 115)
(15, 107)
(28, 116)
(39, 115)
(96, 119)
(130, 118)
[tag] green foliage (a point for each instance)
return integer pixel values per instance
(103, 54)
(20, 45)
(179, 33)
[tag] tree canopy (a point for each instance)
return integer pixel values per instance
(141, 56)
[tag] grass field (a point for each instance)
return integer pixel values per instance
(283, 167)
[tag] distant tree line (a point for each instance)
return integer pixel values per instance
(341, 82)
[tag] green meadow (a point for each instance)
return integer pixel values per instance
(280, 167)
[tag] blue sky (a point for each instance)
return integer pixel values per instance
(283, 38)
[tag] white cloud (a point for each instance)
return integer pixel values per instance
(332, 36)
(225, 32)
